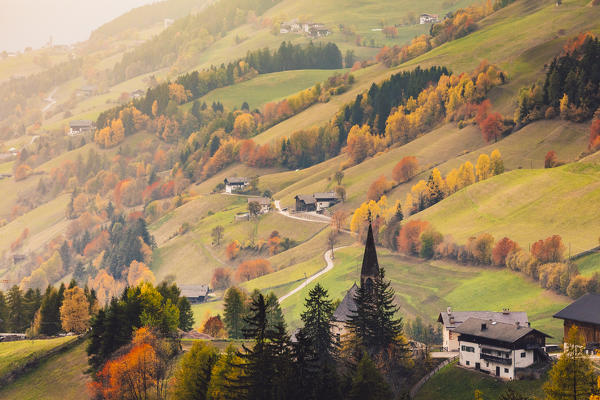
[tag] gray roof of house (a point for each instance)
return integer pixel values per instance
(584, 309)
(508, 333)
(510, 317)
(80, 123)
(194, 290)
(259, 200)
(347, 305)
(326, 195)
(236, 180)
(306, 198)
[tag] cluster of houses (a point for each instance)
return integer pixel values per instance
(500, 344)
(428, 19)
(504, 345)
(313, 29)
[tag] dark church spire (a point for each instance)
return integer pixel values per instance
(370, 265)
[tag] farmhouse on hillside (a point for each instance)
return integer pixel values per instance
(584, 313)
(500, 349)
(87, 91)
(368, 273)
(78, 127)
(316, 202)
(263, 202)
(195, 293)
(137, 94)
(452, 319)
(428, 19)
(235, 184)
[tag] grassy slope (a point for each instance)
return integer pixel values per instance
(60, 377)
(526, 205)
(455, 383)
(15, 354)
(423, 289)
(266, 88)
(589, 265)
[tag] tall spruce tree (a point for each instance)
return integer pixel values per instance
(374, 322)
(3, 313)
(16, 310)
(234, 312)
(318, 325)
(266, 366)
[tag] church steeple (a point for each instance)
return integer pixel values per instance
(370, 265)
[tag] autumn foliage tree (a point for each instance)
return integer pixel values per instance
(502, 249)
(221, 278)
(74, 312)
(406, 169)
(549, 250)
(595, 135)
(378, 188)
(251, 269)
(232, 250)
(214, 327)
(409, 239)
(140, 372)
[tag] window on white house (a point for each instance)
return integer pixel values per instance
(468, 349)
(506, 370)
(523, 354)
(468, 363)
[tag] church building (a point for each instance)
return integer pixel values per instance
(368, 274)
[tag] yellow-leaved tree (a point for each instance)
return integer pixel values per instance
(74, 312)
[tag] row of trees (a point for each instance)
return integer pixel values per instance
(570, 87)
(66, 309)
(371, 361)
(161, 309)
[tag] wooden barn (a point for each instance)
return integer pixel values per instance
(584, 313)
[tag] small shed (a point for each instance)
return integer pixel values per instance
(195, 293)
(235, 184)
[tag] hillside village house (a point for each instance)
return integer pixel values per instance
(450, 320)
(316, 202)
(263, 202)
(584, 313)
(428, 19)
(499, 349)
(86, 91)
(195, 293)
(80, 126)
(137, 94)
(235, 184)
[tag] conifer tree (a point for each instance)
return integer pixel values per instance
(572, 377)
(235, 310)
(367, 382)
(186, 315)
(3, 313)
(16, 309)
(194, 373)
(317, 319)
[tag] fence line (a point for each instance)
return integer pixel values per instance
(415, 389)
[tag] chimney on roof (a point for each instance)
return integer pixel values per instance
(449, 310)
(483, 326)
(505, 311)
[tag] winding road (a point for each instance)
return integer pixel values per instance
(328, 256)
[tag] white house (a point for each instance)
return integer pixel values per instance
(452, 319)
(428, 19)
(79, 127)
(498, 348)
(263, 202)
(235, 184)
(325, 200)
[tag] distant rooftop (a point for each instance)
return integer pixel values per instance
(458, 317)
(508, 333)
(584, 309)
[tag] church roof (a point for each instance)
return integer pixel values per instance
(347, 305)
(370, 265)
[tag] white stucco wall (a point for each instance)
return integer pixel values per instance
(470, 359)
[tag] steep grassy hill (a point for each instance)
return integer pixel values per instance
(62, 376)
(526, 205)
(425, 288)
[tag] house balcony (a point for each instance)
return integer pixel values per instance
(498, 360)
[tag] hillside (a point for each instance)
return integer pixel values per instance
(525, 205)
